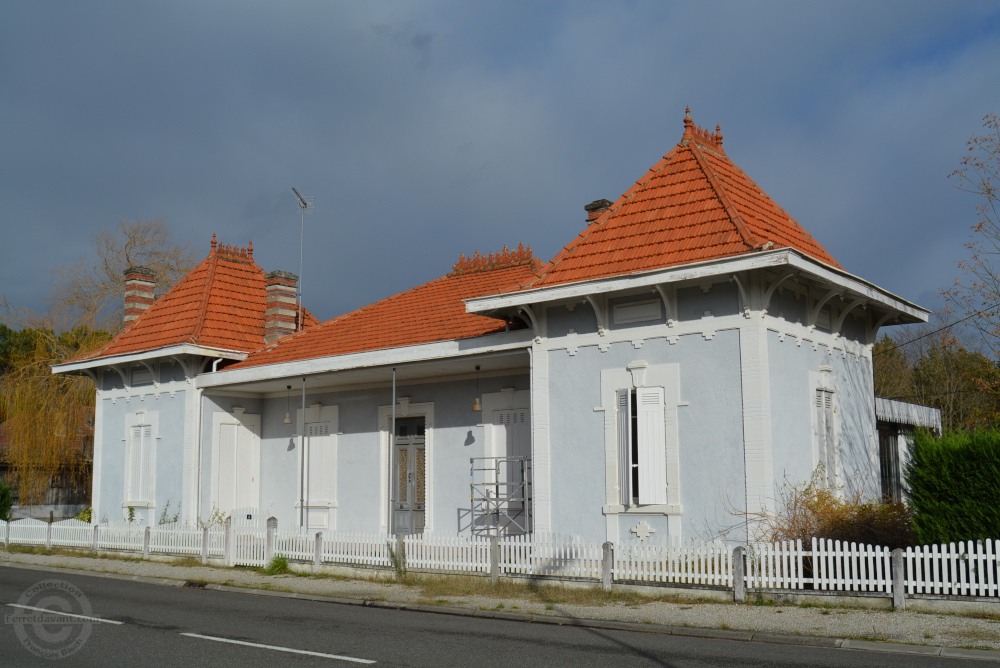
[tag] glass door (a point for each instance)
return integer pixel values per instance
(409, 480)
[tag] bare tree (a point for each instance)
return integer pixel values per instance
(45, 419)
(978, 292)
(90, 293)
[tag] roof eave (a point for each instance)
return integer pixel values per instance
(168, 351)
(486, 343)
(789, 257)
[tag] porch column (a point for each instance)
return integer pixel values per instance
(540, 452)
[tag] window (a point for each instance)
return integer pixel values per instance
(139, 474)
(827, 453)
(641, 446)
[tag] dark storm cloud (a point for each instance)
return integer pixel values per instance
(429, 130)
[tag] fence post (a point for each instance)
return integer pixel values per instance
(145, 543)
(898, 576)
(272, 527)
(318, 552)
(204, 545)
(6, 537)
(739, 575)
(400, 555)
(227, 545)
(48, 535)
(494, 559)
(97, 540)
(607, 564)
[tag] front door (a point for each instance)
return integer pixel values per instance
(409, 481)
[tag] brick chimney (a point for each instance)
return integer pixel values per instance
(140, 286)
(281, 309)
(596, 209)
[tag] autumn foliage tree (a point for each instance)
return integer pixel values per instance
(977, 293)
(46, 425)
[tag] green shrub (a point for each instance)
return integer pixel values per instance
(278, 566)
(954, 486)
(85, 515)
(6, 500)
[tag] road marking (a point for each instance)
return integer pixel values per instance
(65, 614)
(279, 649)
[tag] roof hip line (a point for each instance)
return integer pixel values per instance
(749, 238)
(209, 278)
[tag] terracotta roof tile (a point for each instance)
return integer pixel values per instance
(427, 313)
(693, 205)
(219, 304)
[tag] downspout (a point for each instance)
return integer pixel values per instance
(302, 454)
(215, 365)
(392, 455)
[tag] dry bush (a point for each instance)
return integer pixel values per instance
(811, 509)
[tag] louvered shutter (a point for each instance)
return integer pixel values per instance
(139, 463)
(652, 447)
(624, 409)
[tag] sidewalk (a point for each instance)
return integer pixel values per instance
(841, 627)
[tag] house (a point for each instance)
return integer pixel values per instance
(689, 351)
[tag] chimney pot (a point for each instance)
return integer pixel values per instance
(596, 208)
(140, 291)
(281, 307)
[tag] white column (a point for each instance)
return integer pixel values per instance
(756, 386)
(191, 465)
(540, 447)
(95, 498)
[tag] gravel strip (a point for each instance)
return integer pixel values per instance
(900, 627)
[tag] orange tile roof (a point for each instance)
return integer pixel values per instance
(430, 312)
(219, 304)
(694, 205)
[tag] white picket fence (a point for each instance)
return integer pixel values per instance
(550, 555)
(449, 553)
(28, 532)
(248, 546)
(827, 566)
(120, 536)
(357, 549)
(957, 569)
(694, 563)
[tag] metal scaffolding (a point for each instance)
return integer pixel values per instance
(500, 492)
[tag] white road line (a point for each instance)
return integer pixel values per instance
(279, 649)
(65, 614)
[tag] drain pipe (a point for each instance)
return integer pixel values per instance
(392, 453)
(215, 365)
(302, 455)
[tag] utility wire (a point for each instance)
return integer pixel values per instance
(940, 329)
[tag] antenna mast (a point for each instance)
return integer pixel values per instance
(306, 205)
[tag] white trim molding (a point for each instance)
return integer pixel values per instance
(780, 258)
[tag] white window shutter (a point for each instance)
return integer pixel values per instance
(624, 409)
(652, 446)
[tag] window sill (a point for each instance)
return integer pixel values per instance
(138, 504)
(652, 509)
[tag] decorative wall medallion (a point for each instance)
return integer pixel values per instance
(642, 530)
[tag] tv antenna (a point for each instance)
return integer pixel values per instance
(306, 206)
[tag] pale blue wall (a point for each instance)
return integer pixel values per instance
(169, 453)
(456, 438)
(710, 433)
(792, 407)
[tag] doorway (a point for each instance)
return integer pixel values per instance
(409, 478)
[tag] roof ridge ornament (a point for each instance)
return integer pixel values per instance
(498, 260)
(704, 136)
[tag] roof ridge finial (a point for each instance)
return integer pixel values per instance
(718, 134)
(688, 123)
(250, 250)
(213, 242)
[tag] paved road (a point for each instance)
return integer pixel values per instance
(151, 625)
